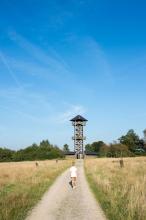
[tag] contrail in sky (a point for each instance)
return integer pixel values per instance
(3, 59)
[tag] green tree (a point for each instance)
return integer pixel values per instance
(104, 151)
(131, 140)
(6, 154)
(94, 147)
(119, 150)
(43, 151)
(66, 148)
(45, 143)
(97, 145)
(88, 148)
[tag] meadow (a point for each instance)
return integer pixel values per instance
(120, 191)
(22, 184)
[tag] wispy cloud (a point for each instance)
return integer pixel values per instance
(10, 71)
(70, 113)
(89, 58)
(55, 65)
(98, 58)
(37, 108)
(28, 103)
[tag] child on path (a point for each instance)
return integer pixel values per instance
(73, 174)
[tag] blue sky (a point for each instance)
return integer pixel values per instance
(63, 58)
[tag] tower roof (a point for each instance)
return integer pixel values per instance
(78, 118)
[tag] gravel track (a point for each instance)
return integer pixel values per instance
(61, 202)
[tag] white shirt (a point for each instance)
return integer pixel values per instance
(73, 171)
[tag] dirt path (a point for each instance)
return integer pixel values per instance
(61, 202)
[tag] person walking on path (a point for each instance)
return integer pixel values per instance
(61, 202)
(73, 175)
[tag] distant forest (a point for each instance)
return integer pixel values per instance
(127, 145)
(43, 151)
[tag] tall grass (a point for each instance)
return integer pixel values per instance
(22, 184)
(121, 191)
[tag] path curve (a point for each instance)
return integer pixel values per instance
(61, 202)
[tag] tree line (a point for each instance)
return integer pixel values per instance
(41, 151)
(127, 145)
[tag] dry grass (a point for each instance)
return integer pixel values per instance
(121, 191)
(22, 185)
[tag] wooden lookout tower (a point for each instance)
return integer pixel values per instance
(78, 122)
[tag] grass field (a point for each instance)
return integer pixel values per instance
(22, 184)
(120, 191)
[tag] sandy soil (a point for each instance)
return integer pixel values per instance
(61, 202)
